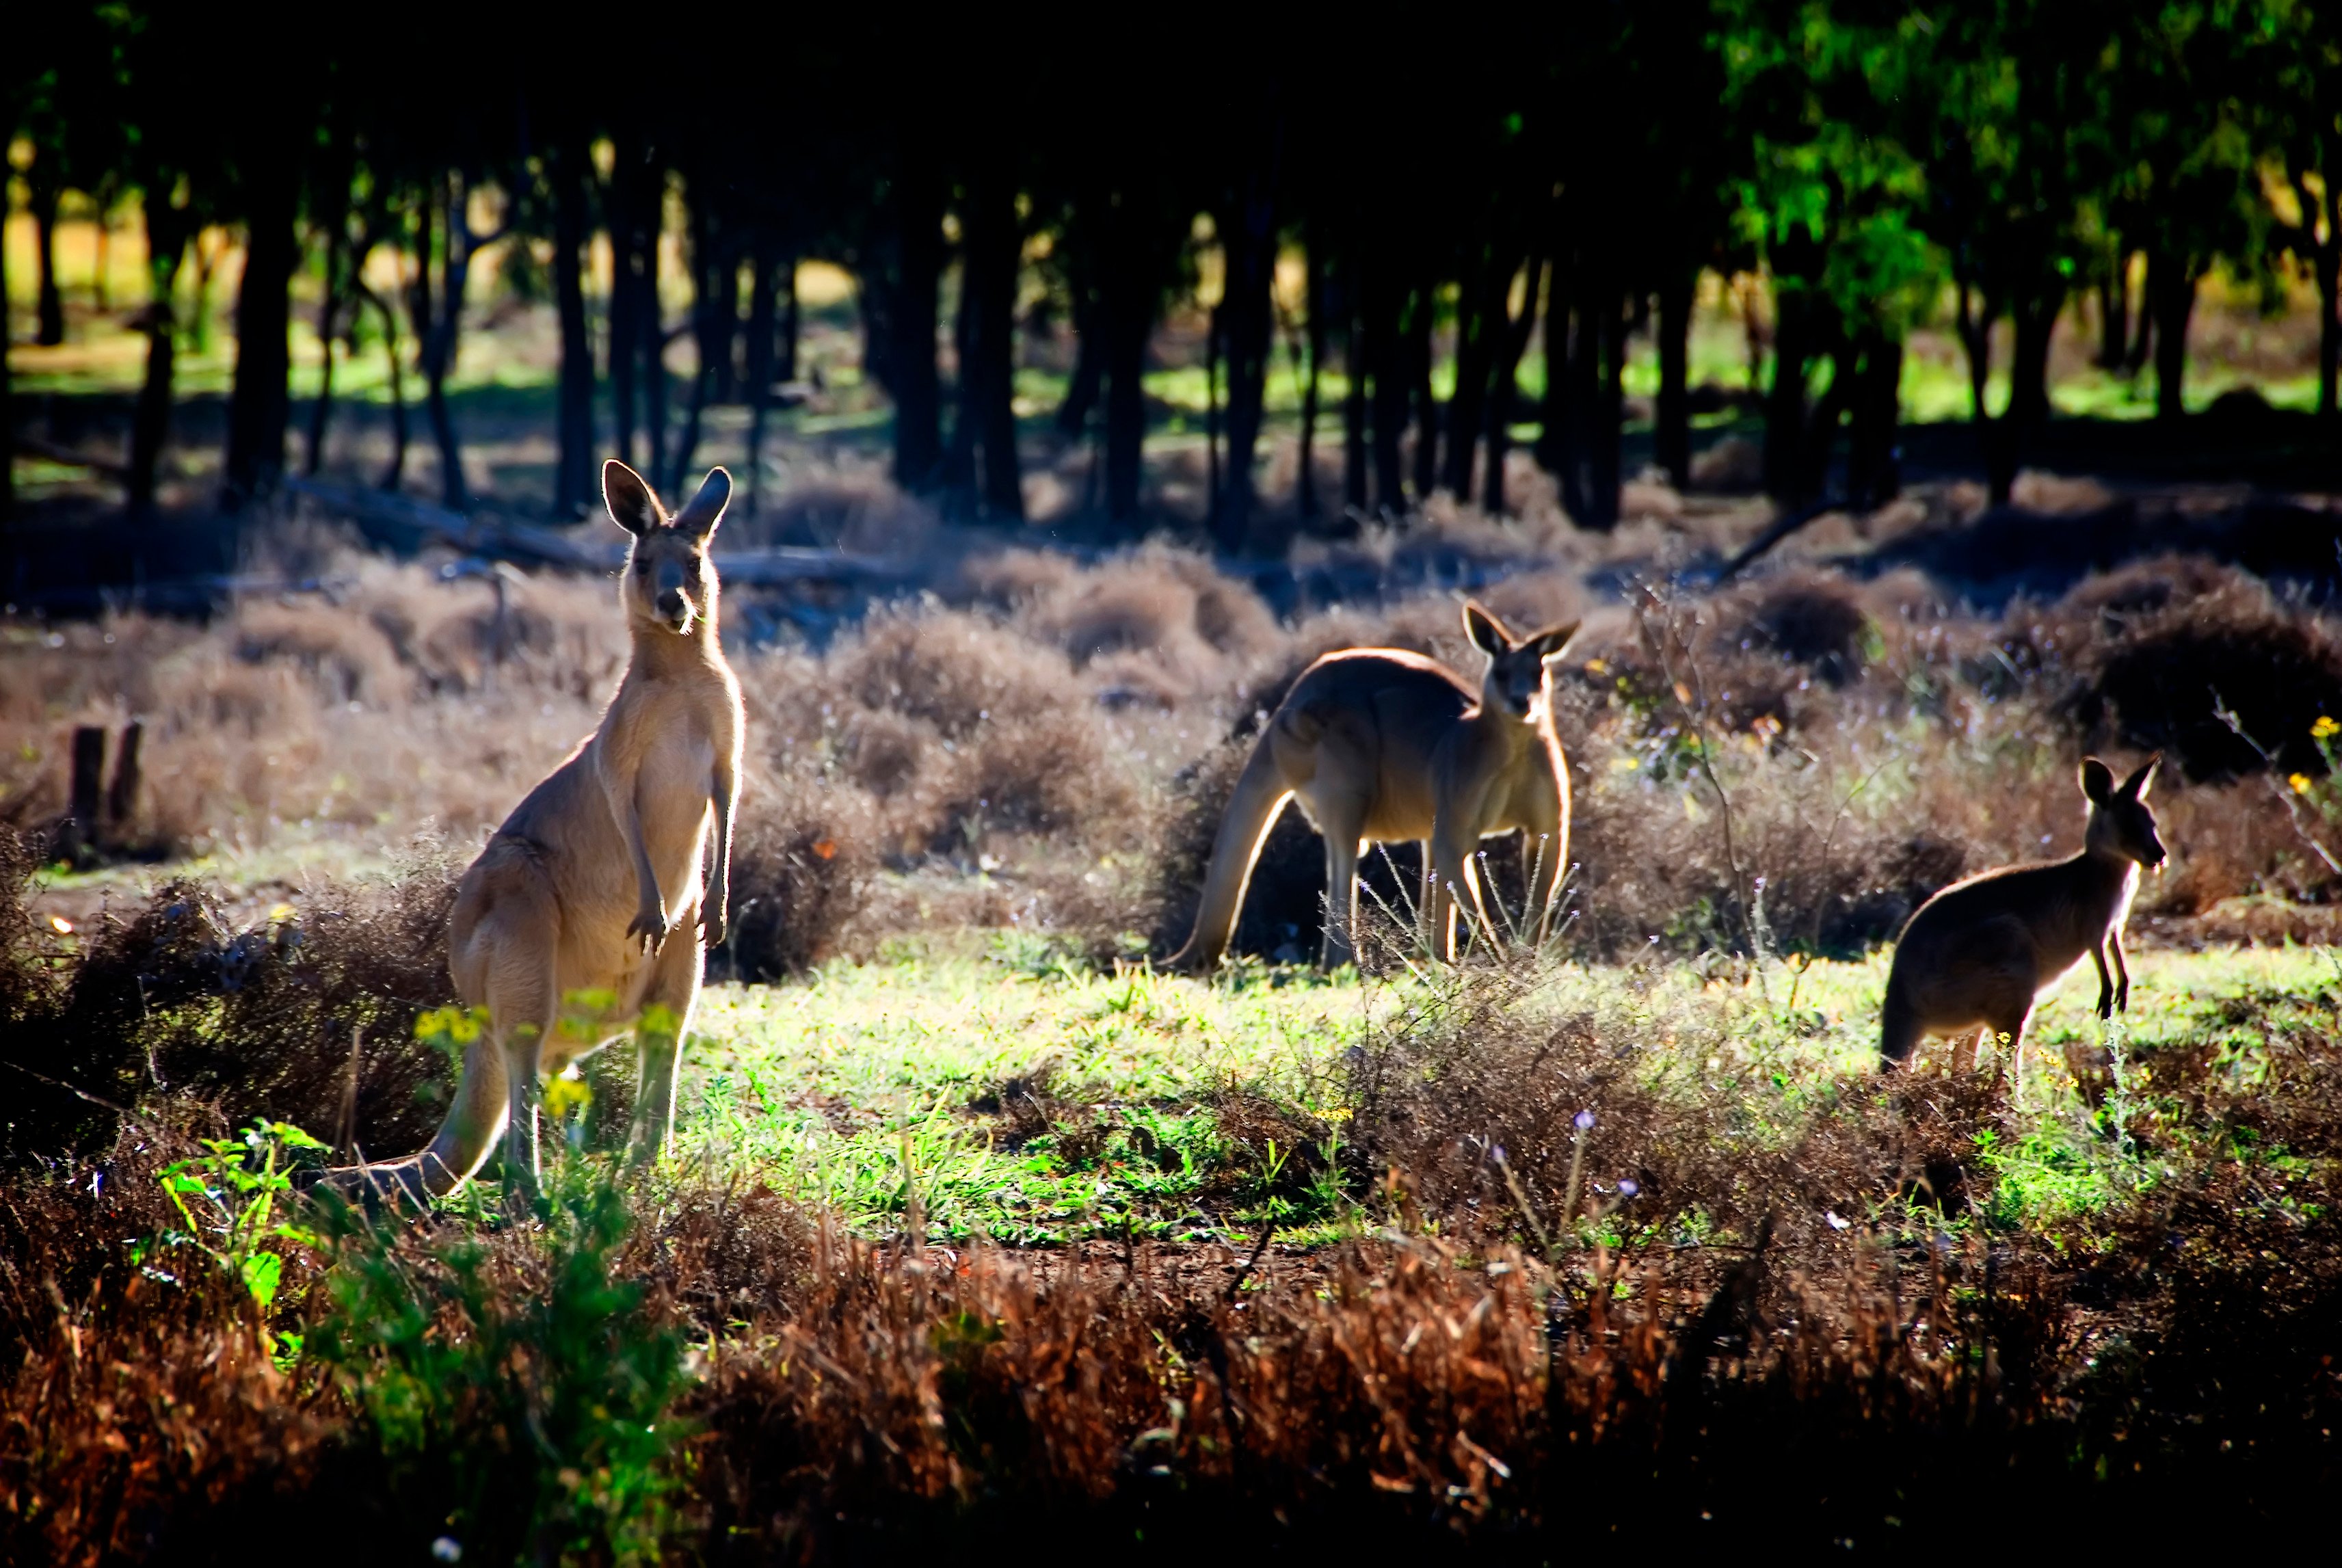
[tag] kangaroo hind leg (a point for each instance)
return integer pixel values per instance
(668, 1002)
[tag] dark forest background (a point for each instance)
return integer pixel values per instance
(1454, 194)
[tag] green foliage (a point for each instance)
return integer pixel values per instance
(517, 1391)
(231, 1196)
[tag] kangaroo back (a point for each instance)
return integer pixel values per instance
(1260, 795)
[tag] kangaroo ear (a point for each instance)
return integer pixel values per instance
(2138, 783)
(1553, 639)
(631, 505)
(705, 510)
(2098, 781)
(1487, 633)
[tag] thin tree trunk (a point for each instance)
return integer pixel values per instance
(1246, 338)
(1354, 398)
(624, 346)
(711, 335)
(1785, 410)
(7, 411)
(1213, 326)
(650, 319)
(574, 486)
(1129, 291)
(259, 400)
(1609, 414)
(1082, 386)
(911, 324)
(150, 424)
(1671, 435)
(956, 479)
(995, 248)
(1478, 327)
(786, 370)
(45, 194)
(2114, 314)
(394, 472)
(1872, 472)
(765, 266)
(724, 329)
(1389, 375)
(2328, 261)
(2171, 294)
(321, 408)
(1418, 352)
(1304, 481)
(1504, 394)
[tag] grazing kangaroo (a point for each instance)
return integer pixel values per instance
(1381, 745)
(573, 924)
(1979, 953)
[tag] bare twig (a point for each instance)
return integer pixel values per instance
(2277, 782)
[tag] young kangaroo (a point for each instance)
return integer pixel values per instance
(1979, 953)
(573, 924)
(1381, 745)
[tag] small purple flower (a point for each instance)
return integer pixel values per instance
(1497, 1154)
(1628, 1186)
(1585, 1121)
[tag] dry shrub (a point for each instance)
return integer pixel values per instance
(803, 855)
(2155, 673)
(271, 1020)
(396, 699)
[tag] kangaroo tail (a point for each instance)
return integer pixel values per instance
(1259, 795)
(1899, 1027)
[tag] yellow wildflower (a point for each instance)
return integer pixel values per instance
(2300, 783)
(2323, 729)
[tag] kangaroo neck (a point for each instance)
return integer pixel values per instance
(659, 654)
(2103, 870)
(1516, 732)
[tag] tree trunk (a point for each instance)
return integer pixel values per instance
(1427, 409)
(1213, 326)
(1249, 247)
(1505, 391)
(711, 335)
(1872, 469)
(911, 324)
(2114, 314)
(46, 193)
(650, 319)
(1129, 289)
(150, 422)
(765, 267)
(1089, 366)
(2328, 267)
(258, 402)
(786, 371)
(1609, 414)
(724, 329)
(2171, 294)
(574, 489)
(1785, 400)
(1354, 398)
(1387, 371)
(394, 472)
(1671, 433)
(624, 340)
(1479, 325)
(7, 411)
(1304, 484)
(993, 249)
(321, 408)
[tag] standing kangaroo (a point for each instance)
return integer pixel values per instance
(1381, 745)
(1979, 953)
(573, 923)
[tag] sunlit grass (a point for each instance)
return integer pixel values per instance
(871, 1081)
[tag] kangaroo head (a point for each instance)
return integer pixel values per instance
(668, 585)
(1516, 677)
(2120, 823)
